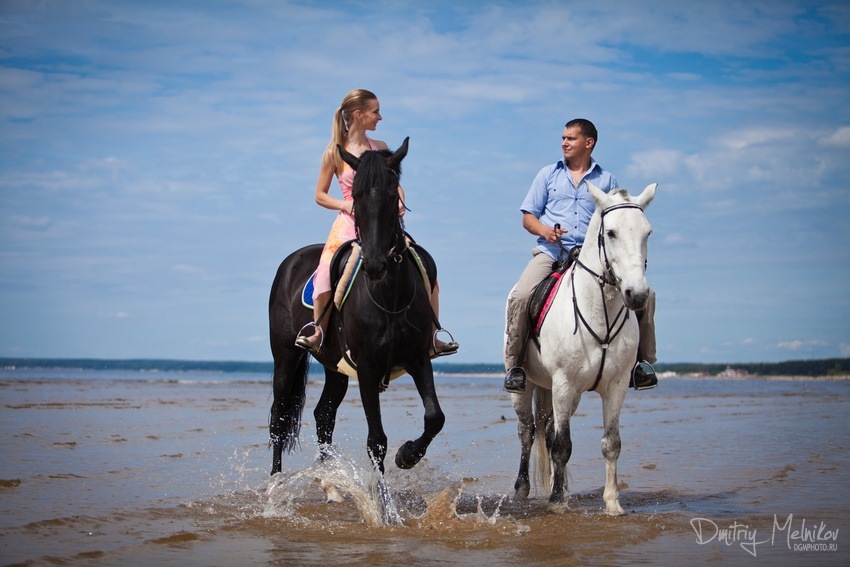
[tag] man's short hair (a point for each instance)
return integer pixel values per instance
(588, 130)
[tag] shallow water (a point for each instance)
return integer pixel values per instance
(172, 469)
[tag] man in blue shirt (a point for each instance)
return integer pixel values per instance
(559, 207)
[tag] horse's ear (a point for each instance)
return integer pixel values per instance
(348, 158)
(646, 197)
(598, 195)
(399, 153)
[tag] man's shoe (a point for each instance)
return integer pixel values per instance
(515, 380)
(643, 377)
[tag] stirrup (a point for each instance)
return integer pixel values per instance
(651, 372)
(305, 343)
(450, 348)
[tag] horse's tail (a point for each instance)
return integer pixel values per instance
(290, 393)
(542, 459)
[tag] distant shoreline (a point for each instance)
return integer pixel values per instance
(835, 369)
(787, 378)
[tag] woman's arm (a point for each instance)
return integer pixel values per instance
(323, 186)
(402, 202)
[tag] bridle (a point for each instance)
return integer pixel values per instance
(612, 328)
(399, 242)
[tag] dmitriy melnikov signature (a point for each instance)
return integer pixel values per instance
(804, 538)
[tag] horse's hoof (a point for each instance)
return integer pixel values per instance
(332, 494)
(407, 456)
(615, 510)
(558, 506)
(521, 492)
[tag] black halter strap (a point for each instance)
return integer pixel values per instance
(611, 278)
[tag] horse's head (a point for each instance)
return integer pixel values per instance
(376, 205)
(622, 232)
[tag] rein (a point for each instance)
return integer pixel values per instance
(612, 328)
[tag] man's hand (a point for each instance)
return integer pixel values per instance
(553, 234)
(534, 226)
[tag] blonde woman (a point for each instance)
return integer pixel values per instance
(359, 113)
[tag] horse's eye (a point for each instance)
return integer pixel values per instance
(611, 234)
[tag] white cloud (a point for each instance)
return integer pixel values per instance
(187, 269)
(655, 164)
(31, 223)
(117, 315)
(796, 345)
(677, 239)
(759, 136)
(838, 139)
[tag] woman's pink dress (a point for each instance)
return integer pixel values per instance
(342, 231)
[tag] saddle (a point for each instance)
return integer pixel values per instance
(544, 292)
(345, 266)
(343, 270)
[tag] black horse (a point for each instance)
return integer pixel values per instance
(385, 323)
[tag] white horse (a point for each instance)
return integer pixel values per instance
(588, 341)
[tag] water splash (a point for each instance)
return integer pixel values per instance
(422, 497)
(338, 475)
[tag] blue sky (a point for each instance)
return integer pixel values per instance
(159, 159)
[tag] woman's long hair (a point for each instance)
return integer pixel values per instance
(353, 101)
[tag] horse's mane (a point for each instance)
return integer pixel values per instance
(372, 172)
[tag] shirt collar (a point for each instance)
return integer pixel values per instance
(562, 164)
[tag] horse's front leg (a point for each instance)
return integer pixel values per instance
(564, 403)
(612, 403)
(522, 403)
(376, 440)
(412, 451)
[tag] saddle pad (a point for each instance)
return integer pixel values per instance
(555, 281)
(307, 292)
(347, 368)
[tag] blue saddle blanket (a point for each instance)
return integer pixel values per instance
(307, 292)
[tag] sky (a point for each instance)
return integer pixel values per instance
(158, 160)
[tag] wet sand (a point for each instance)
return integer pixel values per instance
(105, 468)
